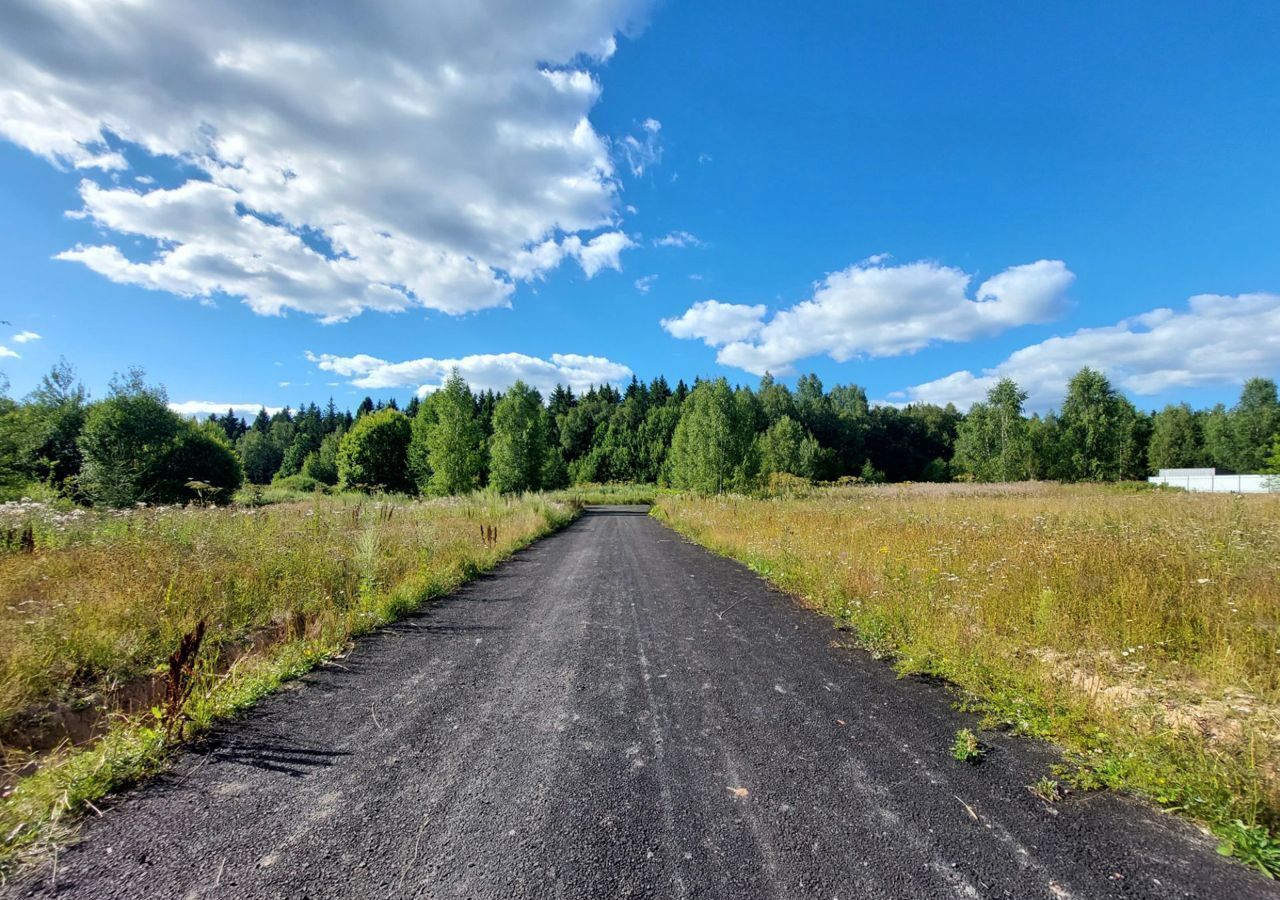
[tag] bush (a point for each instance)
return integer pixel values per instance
(200, 466)
(125, 441)
(300, 482)
(374, 454)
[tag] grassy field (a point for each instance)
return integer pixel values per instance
(1138, 629)
(93, 604)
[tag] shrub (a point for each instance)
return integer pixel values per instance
(373, 455)
(200, 465)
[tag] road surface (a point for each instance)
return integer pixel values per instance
(617, 713)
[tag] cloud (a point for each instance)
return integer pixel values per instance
(6, 353)
(25, 337)
(872, 309)
(717, 323)
(1216, 340)
(678, 239)
(645, 282)
(201, 408)
(489, 371)
(602, 252)
(645, 151)
(410, 160)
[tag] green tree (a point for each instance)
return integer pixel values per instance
(373, 455)
(993, 442)
(51, 421)
(11, 478)
(518, 449)
(711, 444)
(322, 465)
(1273, 458)
(785, 447)
(1176, 442)
(125, 440)
(1097, 436)
(775, 400)
(260, 455)
(1255, 423)
(454, 440)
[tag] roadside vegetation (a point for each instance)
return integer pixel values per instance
(1139, 629)
(96, 601)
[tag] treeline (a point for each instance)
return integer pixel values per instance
(709, 437)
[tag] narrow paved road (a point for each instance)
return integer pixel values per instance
(617, 713)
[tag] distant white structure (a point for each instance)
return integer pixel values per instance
(1210, 480)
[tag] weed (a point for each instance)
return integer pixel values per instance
(966, 747)
(179, 682)
(1252, 845)
(1046, 789)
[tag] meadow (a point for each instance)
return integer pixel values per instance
(95, 601)
(1138, 629)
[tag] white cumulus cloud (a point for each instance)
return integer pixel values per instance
(6, 353)
(409, 156)
(487, 371)
(871, 309)
(25, 337)
(1216, 340)
(717, 323)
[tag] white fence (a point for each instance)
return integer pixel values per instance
(1209, 480)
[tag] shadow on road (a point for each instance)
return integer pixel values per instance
(292, 761)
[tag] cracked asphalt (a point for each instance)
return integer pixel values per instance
(616, 712)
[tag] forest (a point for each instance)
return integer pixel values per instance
(709, 437)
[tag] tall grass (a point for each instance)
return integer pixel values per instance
(1139, 629)
(106, 597)
(621, 493)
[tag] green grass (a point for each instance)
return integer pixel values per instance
(106, 597)
(614, 493)
(1137, 629)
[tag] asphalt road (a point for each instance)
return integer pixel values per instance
(617, 713)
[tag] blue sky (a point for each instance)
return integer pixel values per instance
(910, 198)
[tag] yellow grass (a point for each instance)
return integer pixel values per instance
(1137, 628)
(105, 598)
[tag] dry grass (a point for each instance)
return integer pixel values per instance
(1140, 629)
(95, 611)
